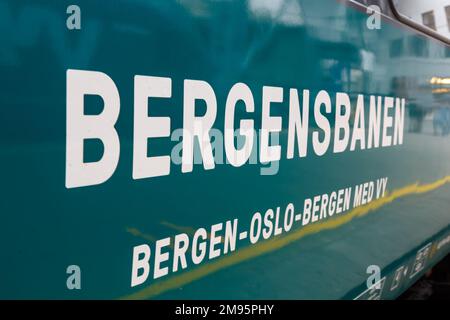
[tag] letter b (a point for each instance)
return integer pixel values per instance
(138, 264)
(81, 127)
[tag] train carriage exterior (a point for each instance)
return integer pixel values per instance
(192, 149)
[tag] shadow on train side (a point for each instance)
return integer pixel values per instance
(434, 285)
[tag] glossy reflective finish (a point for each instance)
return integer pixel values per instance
(313, 45)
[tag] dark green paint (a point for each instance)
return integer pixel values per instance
(46, 227)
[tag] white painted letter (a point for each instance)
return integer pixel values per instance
(81, 127)
(146, 127)
(240, 91)
(298, 124)
(270, 124)
(198, 126)
(320, 147)
(342, 100)
(140, 264)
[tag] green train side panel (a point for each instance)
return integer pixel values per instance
(315, 45)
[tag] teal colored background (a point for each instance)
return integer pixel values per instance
(299, 44)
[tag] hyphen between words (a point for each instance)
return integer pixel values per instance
(385, 121)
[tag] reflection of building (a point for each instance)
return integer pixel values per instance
(433, 14)
(413, 66)
(415, 62)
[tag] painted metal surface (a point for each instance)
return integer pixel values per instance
(291, 44)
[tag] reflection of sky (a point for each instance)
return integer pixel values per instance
(286, 12)
(283, 12)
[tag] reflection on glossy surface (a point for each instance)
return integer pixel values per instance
(293, 44)
(434, 15)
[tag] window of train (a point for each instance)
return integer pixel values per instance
(434, 15)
